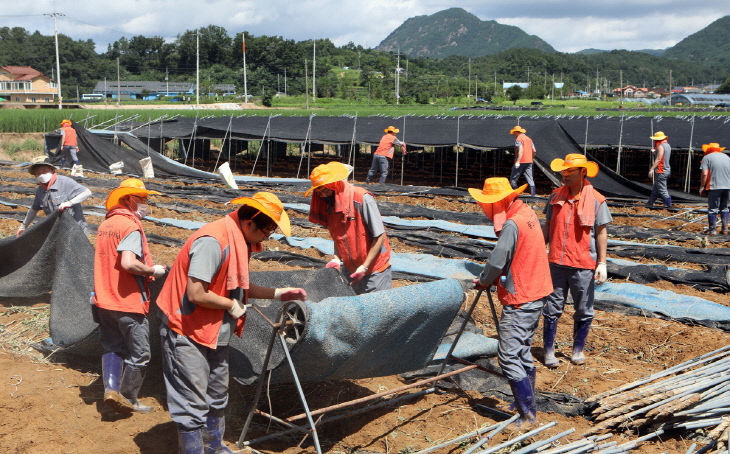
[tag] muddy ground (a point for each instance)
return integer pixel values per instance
(53, 405)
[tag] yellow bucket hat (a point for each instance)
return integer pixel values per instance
(65, 122)
(659, 136)
(130, 186)
(711, 147)
(517, 128)
(327, 173)
(392, 129)
(270, 205)
(575, 160)
(495, 189)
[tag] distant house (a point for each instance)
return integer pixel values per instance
(26, 85)
(626, 92)
(151, 90)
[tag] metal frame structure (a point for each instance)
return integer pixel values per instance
(290, 327)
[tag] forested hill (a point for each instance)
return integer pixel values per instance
(455, 31)
(344, 71)
(710, 45)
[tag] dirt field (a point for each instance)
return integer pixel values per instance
(53, 406)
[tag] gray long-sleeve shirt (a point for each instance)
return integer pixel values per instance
(501, 257)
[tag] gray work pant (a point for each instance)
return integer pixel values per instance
(125, 333)
(581, 284)
(717, 201)
(69, 150)
(517, 172)
(659, 189)
(373, 282)
(196, 379)
(379, 164)
(516, 328)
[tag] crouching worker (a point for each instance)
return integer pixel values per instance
(122, 270)
(519, 267)
(203, 303)
(355, 225)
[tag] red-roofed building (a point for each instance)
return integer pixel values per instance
(26, 85)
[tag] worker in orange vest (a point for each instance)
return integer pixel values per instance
(524, 155)
(384, 153)
(715, 181)
(354, 222)
(576, 216)
(203, 303)
(660, 169)
(123, 268)
(69, 143)
(519, 268)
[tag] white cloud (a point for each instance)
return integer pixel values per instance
(566, 25)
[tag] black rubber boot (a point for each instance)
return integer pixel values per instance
(725, 215)
(131, 384)
(711, 222)
(549, 328)
(111, 367)
(580, 334)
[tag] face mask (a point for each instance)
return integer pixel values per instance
(44, 178)
(141, 210)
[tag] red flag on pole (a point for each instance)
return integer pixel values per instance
(243, 42)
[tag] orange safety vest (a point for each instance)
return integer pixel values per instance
(114, 288)
(570, 242)
(69, 138)
(202, 324)
(529, 267)
(660, 166)
(350, 235)
(385, 147)
(527, 154)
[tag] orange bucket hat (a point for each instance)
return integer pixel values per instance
(392, 129)
(711, 147)
(659, 136)
(495, 189)
(327, 173)
(130, 186)
(517, 128)
(575, 160)
(65, 122)
(270, 205)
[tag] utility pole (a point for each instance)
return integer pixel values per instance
(495, 83)
(119, 84)
(469, 86)
(314, 70)
(621, 89)
(167, 83)
(284, 81)
(306, 83)
(277, 84)
(197, 68)
(245, 86)
(397, 79)
(670, 88)
(528, 77)
(597, 80)
(58, 61)
(552, 91)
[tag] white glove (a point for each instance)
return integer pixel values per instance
(237, 309)
(290, 294)
(21, 229)
(65, 205)
(159, 270)
(517, 165)
(601, 274)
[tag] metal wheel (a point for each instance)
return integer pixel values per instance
(295, 318)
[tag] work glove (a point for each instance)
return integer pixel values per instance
(290, 294)
(65, 205)
(358, 274)
(21, 229)
(237, 309)
(601, 274)
(334, 263)
(159, 270)
(478, 285)
(517, 165)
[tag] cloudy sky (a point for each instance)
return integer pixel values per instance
(568, 26)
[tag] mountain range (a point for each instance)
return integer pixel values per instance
(455, 31)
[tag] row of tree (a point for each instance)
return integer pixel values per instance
(347, 71)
